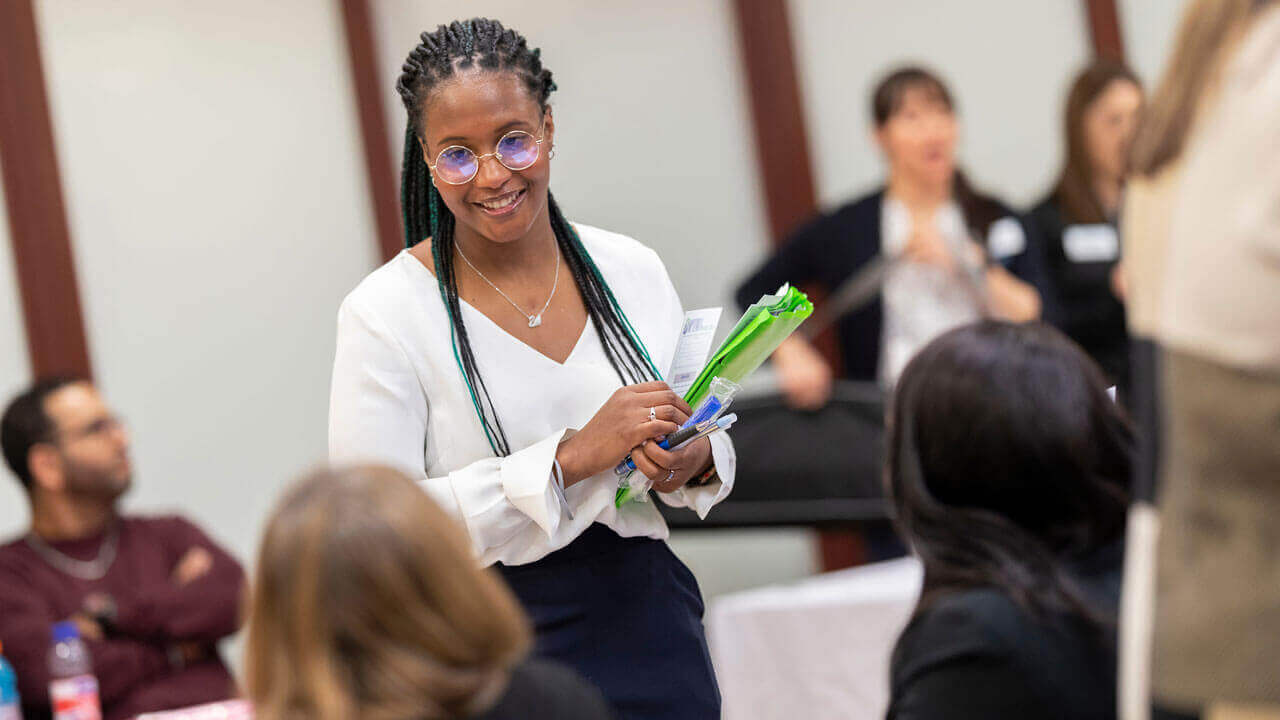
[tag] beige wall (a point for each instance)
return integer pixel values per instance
(219, 210)
(1149, 27)
(211, 161)
(658, 77)
(213, 179)
(1007, 63)
(15, 368)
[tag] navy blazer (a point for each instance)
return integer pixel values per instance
(830, 248)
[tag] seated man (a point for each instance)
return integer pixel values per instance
(151, 595)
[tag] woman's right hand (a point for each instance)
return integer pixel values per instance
(620, 424)
(803, 374)
(928, 247)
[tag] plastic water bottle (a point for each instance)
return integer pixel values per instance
(10, 707)
(73, 689)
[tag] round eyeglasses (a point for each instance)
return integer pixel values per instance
(457, 165)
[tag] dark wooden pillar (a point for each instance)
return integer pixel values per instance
(42, 252)
(777, 113)
(382, 178)
(786, 173)
(1104, 29)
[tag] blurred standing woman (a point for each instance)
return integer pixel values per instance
(1076, 223)
(960, 255)
(509, 358)
(1202, 249)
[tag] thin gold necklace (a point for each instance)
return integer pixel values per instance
(534, 319)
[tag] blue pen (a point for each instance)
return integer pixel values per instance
(695, 433)
(685, 432)
(704, 416)
(706, 413)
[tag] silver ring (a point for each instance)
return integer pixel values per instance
(670, 475)
(653, 414)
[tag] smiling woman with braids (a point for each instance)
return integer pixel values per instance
(509, 358)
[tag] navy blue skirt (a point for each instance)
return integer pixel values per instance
(627, 615)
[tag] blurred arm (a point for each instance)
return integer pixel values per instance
(207, 608)
(120, 663)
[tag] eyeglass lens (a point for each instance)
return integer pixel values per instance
(516, 150)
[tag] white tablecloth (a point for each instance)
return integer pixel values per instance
(816, 649)
(226, 710)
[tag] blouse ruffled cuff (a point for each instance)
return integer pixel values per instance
(528, 484)
(521, 483)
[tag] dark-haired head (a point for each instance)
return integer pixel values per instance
(917, 130)
(916, 125)
(467, 84)
(896, 88)
(1008, 462)
(26, 423)
(1099, 121)
(60, 437)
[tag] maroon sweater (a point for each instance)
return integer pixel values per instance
(132, 664)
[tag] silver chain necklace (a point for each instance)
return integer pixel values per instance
(534, 320)
(94, 569)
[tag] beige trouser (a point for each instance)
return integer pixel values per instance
(1217, 629)
(1243, 712)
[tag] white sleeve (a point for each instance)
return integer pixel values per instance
(699, 499)
(378, 413)
(702, 499)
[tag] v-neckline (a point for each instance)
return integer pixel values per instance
(582, 334)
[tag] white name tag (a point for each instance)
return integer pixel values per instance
(1090, 243)
(1006, 239)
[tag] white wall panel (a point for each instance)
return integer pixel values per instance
(657, 79)
(663, 80)
(1149, 27)
(1007, 62)
(211, 160)
(219, 213)
(15, 367)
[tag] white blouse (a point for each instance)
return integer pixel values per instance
(920, 301)
(399, 398)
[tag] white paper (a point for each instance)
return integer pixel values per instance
(696, 336)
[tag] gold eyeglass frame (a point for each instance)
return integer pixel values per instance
(537, 141)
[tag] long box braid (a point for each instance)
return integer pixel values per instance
(462, 45)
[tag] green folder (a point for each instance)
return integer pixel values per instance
(762, 328)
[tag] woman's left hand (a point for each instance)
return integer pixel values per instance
(1011, 298)
(1119, 282)
(679, 466)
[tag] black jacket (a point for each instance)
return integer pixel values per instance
(1086, 309)
(976, 654)
(543, 690)
(830, 248)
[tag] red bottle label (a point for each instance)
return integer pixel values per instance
(75, 698)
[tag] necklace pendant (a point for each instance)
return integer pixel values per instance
(535, 321)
